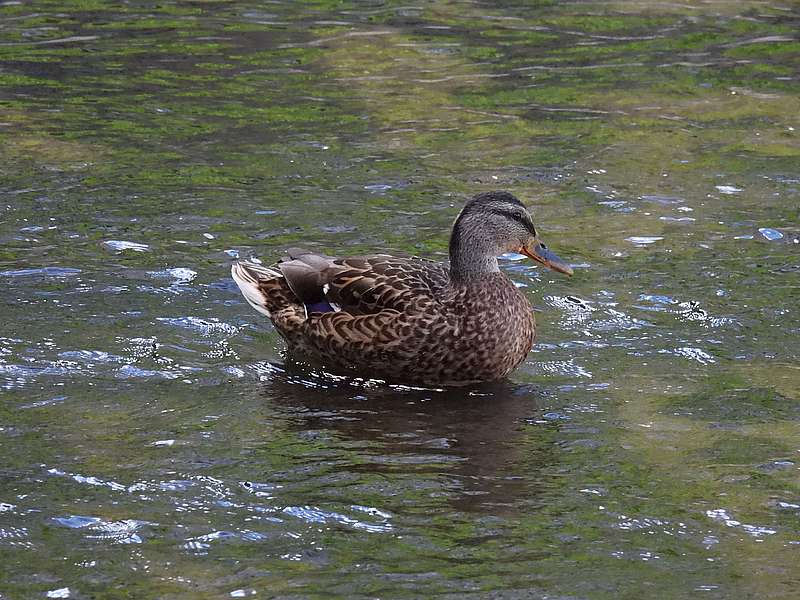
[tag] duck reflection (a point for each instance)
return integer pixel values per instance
(472, 445)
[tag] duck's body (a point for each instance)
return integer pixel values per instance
(406, 319)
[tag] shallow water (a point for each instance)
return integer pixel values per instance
(156, 443)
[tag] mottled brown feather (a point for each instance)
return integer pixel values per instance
(408, 319)
(403, 319)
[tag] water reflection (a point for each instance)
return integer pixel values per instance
(464, 442)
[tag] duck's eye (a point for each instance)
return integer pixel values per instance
(519, 217)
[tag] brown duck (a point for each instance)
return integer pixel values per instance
(410, 319)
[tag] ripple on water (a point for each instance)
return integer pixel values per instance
(600, 315)
(139, 348)
(561, 368)
(17, 537)
(684, 310)
(179, 275)
(570, 303)
(262, 490)
(201, 543)
(312, 514)
(627, 523)
(134, 372)
(47, 402)
(728, 189)
(695, 354)
(149, 350)
(90, 480)
(91, 357)
(617, 205)
(203, 326)
(175, 485)
(119, 246)
(113, 532)
(43, 272)
(721, 515)
(378, 187)
(617, 320)
(663, 200)
(677, 219)
(770, 234)
(21, 376)
(200, 494)
(644, 240)
(575, 311)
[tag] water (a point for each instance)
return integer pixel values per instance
(155, 441)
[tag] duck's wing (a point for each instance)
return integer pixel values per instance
(349, 311)
(362, 285)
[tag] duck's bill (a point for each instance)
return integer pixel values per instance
(542, 254)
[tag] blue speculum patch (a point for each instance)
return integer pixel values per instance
(323, 306)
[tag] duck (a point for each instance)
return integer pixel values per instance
(410, 320)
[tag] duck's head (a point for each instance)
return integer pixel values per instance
(491, 224)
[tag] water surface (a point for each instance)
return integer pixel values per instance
(155, 441)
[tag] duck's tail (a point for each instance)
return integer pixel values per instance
(265, 289)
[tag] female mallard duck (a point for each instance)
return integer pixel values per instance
(411, 319)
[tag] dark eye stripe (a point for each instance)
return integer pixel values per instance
(515, 216)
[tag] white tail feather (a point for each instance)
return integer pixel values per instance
(247, 276)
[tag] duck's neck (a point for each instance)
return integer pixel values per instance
(473, 254)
